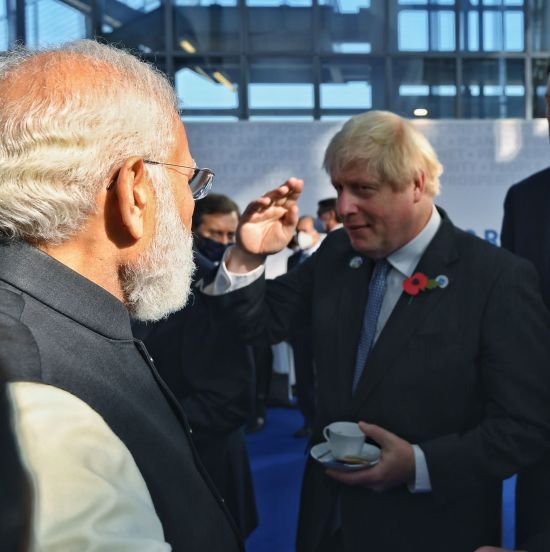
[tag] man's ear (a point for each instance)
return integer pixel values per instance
(419, 184)
(133, 196)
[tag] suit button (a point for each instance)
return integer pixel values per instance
(190, 431)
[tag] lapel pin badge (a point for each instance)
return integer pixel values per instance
(442, 281)
(356, 262)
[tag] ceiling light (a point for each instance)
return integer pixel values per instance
(222, 80)
(187, 46)
(420, 112)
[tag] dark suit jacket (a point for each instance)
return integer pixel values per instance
(210, 371)
(58, 328)
(526, 224)
(461, 371)
(294, 260)
(526, 231)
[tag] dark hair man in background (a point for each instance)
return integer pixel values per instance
(419, 329)
(526, 232)
(215, 222)
(328, 216)
(209, 369)
(97, 189)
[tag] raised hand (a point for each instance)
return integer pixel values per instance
(266, 226)
(396, 465)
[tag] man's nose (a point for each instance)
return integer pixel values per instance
(345, 204)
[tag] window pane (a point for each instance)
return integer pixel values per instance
(50, 22)
(513, 31)
(4, 36)
(200, 27)
(431, 28)
(137, 24)
(501, 28)
(540, 24)
(492, 31)
(412, 29)
(351, 26)
(280, 83)
(424, 84)
(280, 26)
(208, 84)
(352, 85)
(499, 2)
(277, 117)
(493, 88)
(424, 2)
(540, 82)
(443, 31)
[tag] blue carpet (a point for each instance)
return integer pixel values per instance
(277, 461)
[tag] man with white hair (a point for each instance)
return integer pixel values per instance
(97, 189)
(434, 340)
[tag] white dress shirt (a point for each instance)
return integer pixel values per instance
(88, 493)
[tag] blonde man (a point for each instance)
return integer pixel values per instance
(433, 339)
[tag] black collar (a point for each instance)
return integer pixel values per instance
(35, 273)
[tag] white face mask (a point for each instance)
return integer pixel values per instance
(305, 241)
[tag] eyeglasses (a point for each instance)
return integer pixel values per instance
(200, 182)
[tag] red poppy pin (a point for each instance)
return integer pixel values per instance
(420, 282)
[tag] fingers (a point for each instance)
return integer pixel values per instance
(289, 192)
(371, 478)
(378, 434)
(280, 202)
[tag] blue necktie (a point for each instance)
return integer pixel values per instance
(377, 289)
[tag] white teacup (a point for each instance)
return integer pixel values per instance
(344, 439)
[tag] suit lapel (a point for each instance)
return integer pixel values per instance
(409, 312)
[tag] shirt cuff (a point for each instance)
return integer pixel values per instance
(422, 483)
(226, 281)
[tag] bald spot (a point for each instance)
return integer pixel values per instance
(52, 74)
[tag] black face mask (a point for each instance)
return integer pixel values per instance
(211, 249)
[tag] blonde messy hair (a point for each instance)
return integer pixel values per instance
(69, 118)
(392, 149)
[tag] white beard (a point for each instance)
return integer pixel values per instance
(159, 282)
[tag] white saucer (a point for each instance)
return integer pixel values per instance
(322, 454)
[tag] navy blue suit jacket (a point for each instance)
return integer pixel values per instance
(461, 371)
(526, 231)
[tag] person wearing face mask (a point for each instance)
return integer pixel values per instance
(215, 222)
(308, 241)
